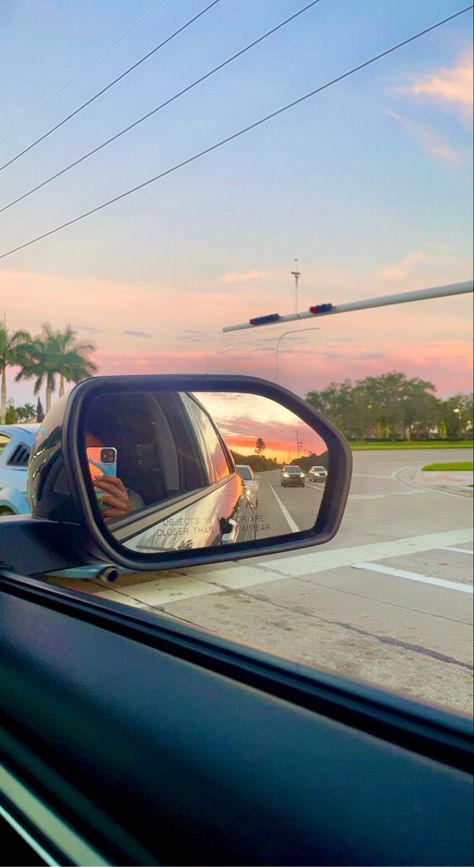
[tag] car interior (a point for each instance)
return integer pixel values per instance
(131, 736)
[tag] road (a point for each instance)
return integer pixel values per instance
(285, 509)
(389, 600)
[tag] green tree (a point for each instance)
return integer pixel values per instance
(52, 353)
(26, 412)
(389, 406)
(11, 415)
(344, 405)
(259, 446)
(456, 416)
(11, 349)
(29, 410)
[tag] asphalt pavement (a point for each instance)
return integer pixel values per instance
(389, 600)
(283, 509)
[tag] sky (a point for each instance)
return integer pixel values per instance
(368, 185)
(242, 418)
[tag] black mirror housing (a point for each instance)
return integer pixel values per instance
(60, 489)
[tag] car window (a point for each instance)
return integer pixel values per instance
(157, 455)
(245, 473)
(210, 442)
(4, 440)
(307, 236)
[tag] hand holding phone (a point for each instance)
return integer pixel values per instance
(110, 491)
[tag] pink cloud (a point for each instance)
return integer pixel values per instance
(430, 141)
(449, 87)
(401, 270)
(446, 363)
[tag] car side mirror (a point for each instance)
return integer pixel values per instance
(160, 471)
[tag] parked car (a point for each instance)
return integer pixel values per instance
(16, 441)
(292, 477)
(318, 474)
(250, 483)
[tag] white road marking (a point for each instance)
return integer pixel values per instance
(414, 576)
(459, 550)
(263, 571)
(320, 560)
(289, 520)
(163, 591)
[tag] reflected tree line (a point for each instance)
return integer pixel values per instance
(394, 407)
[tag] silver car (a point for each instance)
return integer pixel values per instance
(247, 475)
(318, 474)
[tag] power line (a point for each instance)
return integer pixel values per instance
(240, 132)
(159, 107)
(111, 84)
(84, 69)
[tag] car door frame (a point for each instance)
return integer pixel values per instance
(373, 771)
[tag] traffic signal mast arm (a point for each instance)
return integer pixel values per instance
(327, 309)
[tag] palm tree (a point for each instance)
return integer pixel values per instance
(74, 365)
(54, 352)
(29, 410)
(25, 412)
(11, 349)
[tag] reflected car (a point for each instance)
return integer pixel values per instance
(318, 474)
(292, 476)
(172, 458)
(250, 484)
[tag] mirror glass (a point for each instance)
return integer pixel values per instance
(191, 470)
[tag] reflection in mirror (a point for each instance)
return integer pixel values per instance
(179, 470)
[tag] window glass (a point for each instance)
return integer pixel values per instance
(209, 440)
(244, 473)
(368, 181)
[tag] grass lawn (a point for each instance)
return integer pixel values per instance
(452, 465)
(413, 444)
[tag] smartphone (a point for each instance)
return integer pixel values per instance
(102, 462)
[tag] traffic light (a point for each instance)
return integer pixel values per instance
(321, 308)
(265, 320)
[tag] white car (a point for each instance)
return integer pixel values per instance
(247, 475)
(318, 474)
(15, 446)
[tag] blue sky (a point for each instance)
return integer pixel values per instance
(368, 184)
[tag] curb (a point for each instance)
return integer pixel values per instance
(417, 478)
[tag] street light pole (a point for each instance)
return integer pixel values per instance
(296, 274)
(277, 348)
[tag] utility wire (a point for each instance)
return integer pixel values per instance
(84, 69)
(240, 132)
(159, 107)
(111, 84)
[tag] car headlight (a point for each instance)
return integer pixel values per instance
(301, 475)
